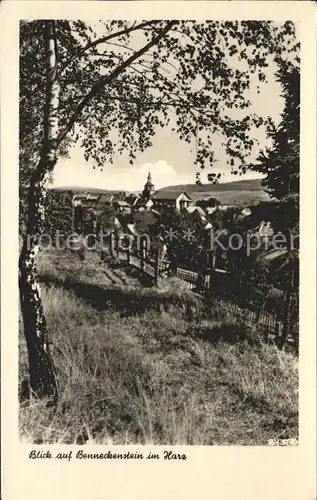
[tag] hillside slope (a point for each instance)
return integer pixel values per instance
(243, 192)
(130, 374)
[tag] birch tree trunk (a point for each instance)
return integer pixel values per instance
(43, 381)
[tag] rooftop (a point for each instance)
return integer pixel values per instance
(168, 195)
(132, 198)
(121, 203)
(199, 210)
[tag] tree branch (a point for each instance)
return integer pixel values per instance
(104, 39)
(109, 78)
(133, 50)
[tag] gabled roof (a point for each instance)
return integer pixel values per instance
(119, 196)
(131, 228)
(88, 203)
(143, 202)
(199, 210)
(121, 203)
(132, 199)
(93, 196)
(275, 254)
(117, 223)
(210, 210)
(169, 195)
(89, 198)
(79, 196)
(190, 210)
(105, 198)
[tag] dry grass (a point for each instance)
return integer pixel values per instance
(147, 375)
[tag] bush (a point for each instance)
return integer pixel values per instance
(229, 331)
(58, 212)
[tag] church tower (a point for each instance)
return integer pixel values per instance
(148, 187)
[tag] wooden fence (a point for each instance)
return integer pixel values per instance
(215, 286)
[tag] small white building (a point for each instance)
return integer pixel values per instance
(192, 209)
(122, 206)
(265, 230)
(210, 210)
(172, 199)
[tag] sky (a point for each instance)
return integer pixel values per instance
(167, 168)
(170, 160)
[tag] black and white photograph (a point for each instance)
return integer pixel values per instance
(159, 232)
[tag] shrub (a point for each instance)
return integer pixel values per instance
(230, 331)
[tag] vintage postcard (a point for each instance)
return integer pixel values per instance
(158, 231)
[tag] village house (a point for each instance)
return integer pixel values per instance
(132, 199)
(97, 200)
(195, 209)
(152, 199)
(87, 205)
(144, 204)
(106, 199)
(172, 199)
(122, 206)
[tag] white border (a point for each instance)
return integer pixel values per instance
(220, 472)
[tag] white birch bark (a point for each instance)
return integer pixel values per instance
(43, 382)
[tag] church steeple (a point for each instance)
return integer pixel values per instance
(148, 187)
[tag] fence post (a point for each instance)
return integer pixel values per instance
(174, 266)
(257, 314)
(286, 317)
(142, 255)
(279, 333)
(207, 282)
(117, 247)
(211, 276)
(128, 255)
(156, 267)
(112, 244)
(200, 281)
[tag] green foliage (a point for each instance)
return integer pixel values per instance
(106, 220)
(184, 68)
(183, 234)
(58, 214)
(108, 88)
(144, 221)
(210, 202)
(32, 101)
(280, 163)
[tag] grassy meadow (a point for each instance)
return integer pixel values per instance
(143, 364)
